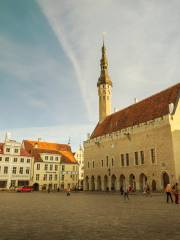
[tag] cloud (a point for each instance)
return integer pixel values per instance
(142, 42)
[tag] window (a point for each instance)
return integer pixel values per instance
(21, 170)
(112, 162)
(45, 167)
(27, 171)
(38, 166)
(62, 177)
(51, 158)
(14, 170)
(107, 161)
(153, 155)
(46, 157)
(50, 177)
(8, 150)
(0, 158)
(15, 159)
(127, 159)
(22, 159)
(88, 164)
(102, 163)
(56, 158)
(142, 157)
(56, 167)
(73, 168)
(5, 170)
(55, 177)
(122, 160)
(93, 164)
(45, 177)
(63, 168)
(136, 158)
(16, 150)
(37, 177)
(6, 159)
(51, 167)
(28, 160)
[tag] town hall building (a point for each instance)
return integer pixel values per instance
(135, 146)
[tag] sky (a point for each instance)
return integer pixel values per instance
(50, 54)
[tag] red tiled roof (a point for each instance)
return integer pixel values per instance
(148, 109)
(23, 152)
(38, 147)
(1, 148)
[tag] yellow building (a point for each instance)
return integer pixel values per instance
(135, 146)
(79, 156)
(54, 165)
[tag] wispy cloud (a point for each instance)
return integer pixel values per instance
(142, 42)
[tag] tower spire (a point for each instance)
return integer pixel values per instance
(104, 85)
(104, 75)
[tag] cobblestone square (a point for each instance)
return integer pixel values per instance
(46, 216)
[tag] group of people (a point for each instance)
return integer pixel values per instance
(172, 190)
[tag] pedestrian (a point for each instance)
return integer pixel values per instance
(126, 193)
(176, 193)
(48, 190)
(68, 192)
(168, 191)
(121, 190)
(58, 189)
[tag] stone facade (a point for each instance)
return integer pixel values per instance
(135, 151)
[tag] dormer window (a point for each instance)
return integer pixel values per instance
(16, 150)
(8, 150)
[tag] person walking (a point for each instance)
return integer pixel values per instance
(176, 193)
(126, 193)
(168, 191)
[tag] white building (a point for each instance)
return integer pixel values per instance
(16, 165)
(79, 156)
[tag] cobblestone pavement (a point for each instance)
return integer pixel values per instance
(87, 216)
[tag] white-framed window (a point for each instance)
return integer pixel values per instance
(56, 158)
(51, 167)
(51, 158)
(63, 167)
(93, 164)
(14, 170)
(22, 160)
(46, 158)
(28, 160)
(15, 159)
(46, 167)
(50, 177)
(6, 159)
(16, 150)
(45, 177)
(5, 170)
(7, 150)
(55, 177)
(21, 170)
(37, 177)
(0, 159)
(38, 166)
(27, 170)
(56, 167)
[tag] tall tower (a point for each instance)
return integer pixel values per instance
(104, 85)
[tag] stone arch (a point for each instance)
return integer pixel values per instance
(142, 181)
(99, 188)
(106, 186)
(113, 183)
(153, 186)
(132, 182)
(165, 179)
(122, 180)
(87, 183)
(92, 183)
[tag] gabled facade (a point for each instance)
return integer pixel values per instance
(136, 146)
(16, 165)
(54, 165)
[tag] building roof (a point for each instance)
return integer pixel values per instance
(23, 152)
(148, 109)
(37, 147)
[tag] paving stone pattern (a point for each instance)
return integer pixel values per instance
(37, 215)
